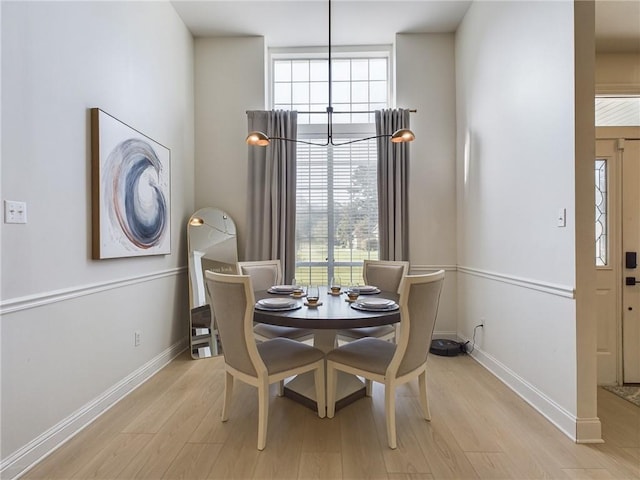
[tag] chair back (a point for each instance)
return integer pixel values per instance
(419, 299)
(385, 274)
(264, 273)
(232, 301)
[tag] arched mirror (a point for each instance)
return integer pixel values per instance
(212, 245)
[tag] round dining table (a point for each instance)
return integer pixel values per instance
(333, 313)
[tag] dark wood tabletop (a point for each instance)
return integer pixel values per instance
(334, 313)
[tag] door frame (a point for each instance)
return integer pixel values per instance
(615, 222)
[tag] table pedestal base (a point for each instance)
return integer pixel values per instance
(302, 389)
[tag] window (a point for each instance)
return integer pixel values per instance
(336, 198)
(602, 245)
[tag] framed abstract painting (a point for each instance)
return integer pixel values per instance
(131, 190)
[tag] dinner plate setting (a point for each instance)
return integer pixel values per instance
(281, 289)
(375, 305)
(277, 304)
(368, 289)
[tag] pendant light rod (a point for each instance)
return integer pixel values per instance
(330, 106)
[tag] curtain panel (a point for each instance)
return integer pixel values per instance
(393, 186)
(271, 206)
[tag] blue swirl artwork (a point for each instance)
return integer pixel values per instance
(134, 183)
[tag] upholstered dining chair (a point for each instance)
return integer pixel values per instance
(265, 274)
(258, 364)
(393, 364)
(386, 275)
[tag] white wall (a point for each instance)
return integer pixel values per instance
(425, 81)
(515, 124)
(68, 321)
(229, 80)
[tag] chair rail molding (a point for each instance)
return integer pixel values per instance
(421, 269)
(46, 298)
(547, 287)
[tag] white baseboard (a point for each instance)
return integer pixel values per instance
(589, 430)
(556, 414)
(26, 457)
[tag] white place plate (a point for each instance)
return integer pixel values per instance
(281, 288)
(276, 302)
(370, 292)
(283, 309)
(367, 288)
(358, 306)
(377, 303)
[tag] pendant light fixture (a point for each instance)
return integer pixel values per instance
(261, 139)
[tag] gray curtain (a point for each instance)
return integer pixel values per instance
(393, 183)
(271, 206)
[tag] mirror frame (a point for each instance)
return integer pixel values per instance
(212, 245)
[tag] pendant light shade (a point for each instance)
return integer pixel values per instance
(403, 135)
(258, 138)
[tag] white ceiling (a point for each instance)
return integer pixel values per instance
(371, 22)
(305, 22)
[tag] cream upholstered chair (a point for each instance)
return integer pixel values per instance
(265, 274)
(393, 364)
(258, 364)
(386, 275)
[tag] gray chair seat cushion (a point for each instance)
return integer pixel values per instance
(281, 354)
(275, 331)
(369, 354)
(363, 332)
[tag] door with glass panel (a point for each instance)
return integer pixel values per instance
(618, 238)
(617, 175)
(606, 259)
(631, 250)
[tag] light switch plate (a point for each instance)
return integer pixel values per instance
(562, 217)
(15, 212)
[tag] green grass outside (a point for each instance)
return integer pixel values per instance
(318, 275)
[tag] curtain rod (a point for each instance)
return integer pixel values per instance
(413, 110)
(356, 111)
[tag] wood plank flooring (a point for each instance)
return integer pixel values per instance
(170, 428)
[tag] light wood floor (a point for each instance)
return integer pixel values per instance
(170, 428)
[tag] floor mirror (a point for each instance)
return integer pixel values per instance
(212, 245)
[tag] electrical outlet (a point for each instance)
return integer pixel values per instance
(15, 212)
(137, 338)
